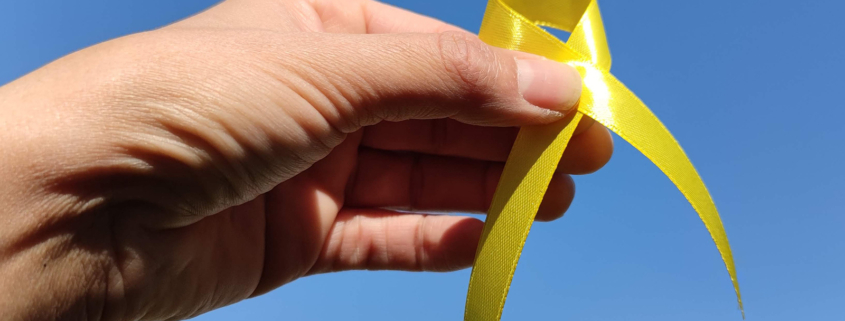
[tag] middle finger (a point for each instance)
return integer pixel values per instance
(589, 149)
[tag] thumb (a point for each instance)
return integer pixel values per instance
(454, 74)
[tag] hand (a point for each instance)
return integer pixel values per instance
(168, 173)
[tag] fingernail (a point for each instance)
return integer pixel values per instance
(549, 84)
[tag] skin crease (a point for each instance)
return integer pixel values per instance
(168, 173)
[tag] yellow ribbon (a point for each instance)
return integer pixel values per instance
(515, 25)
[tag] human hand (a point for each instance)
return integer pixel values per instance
(168, 173)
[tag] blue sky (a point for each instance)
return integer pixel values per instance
(752, 90)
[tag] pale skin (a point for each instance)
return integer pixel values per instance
(165, 174)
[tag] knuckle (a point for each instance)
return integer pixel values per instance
(467, 60)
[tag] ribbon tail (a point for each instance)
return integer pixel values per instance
(524, 181)
(629, 118)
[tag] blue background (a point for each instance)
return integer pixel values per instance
(753, 91)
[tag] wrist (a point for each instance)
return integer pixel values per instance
(55, 249)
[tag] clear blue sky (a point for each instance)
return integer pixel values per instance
(752, 90)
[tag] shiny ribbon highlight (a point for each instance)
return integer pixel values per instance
(516, 25)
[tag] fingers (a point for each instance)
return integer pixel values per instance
(364, 16)
(379, 240)
(364, 79)
(384, 18)
(436, 183)
(442, 137)
(589, 149)
(345, 16)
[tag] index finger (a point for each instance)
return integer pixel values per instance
(367, 16)
(384, 18)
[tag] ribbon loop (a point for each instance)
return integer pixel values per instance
(563, 15)
(515, 25)
(588, 38)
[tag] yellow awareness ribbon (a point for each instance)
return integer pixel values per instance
(515, 25)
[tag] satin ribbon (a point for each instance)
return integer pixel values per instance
(515, 25)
